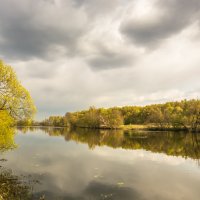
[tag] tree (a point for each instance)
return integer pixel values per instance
(110, 118)
(14, 98)
(5, 120)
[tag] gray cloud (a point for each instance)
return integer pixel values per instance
(42, 70)
(48, 29)
(174, 16)
(105, 62)
(107, 58)
(72, 54)
(39, 29)
(97, 7)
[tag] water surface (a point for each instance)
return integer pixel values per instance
(95, 165)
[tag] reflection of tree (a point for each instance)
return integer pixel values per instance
(49, 130)
(12, 187)
(196, 146)
(176, 144)
(7, 139)
(186, 145)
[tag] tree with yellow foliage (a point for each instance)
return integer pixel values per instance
(14, 98)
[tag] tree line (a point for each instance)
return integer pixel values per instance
(179, 115)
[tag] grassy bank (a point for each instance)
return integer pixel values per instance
(150, 127)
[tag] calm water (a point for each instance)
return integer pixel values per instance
(57, 164)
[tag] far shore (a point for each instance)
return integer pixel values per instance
(133, 127)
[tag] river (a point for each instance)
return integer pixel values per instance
(83, 164)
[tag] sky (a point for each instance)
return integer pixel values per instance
(72, 54)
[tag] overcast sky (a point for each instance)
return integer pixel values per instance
(72, 54)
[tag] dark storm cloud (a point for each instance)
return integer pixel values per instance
(30, 29)
(174, 16)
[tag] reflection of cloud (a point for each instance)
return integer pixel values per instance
(66, 169)
(140, 155)
(96, 190)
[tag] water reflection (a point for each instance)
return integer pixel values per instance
(182, 144)
(7, 139)
(116, 166)
(12, 187)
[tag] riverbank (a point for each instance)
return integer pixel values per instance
(150, 127)
(131, 127)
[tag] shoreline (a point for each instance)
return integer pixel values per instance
(123, 127)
